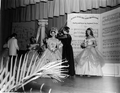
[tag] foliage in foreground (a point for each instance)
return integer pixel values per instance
(25, 71)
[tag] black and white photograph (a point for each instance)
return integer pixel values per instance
(59, 46)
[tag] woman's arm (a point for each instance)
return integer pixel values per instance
(59, 46)
(5, 45)
(62, 37)
(16, 44)
(47, 44)
(33, 46)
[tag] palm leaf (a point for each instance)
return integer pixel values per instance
(27, 71)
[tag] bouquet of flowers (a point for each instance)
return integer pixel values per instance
(83, 45)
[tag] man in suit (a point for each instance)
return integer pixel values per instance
(13, 48)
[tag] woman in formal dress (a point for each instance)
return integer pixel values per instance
(5, 52)
(52, 52)
(67, 51)
(90, 61)
(33, 45)
(32, 48)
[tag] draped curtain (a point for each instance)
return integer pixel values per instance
(50, 8)
(54, 11)
(29, 10)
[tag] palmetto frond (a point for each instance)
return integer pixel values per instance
(24, 72)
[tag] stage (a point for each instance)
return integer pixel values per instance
(77, 84)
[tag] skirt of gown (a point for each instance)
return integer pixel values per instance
(89, 62)
(32, 54)
(49, 56)
(5, 55)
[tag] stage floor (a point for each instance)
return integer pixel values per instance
(77, 84)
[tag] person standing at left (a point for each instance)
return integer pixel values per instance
(13, 48)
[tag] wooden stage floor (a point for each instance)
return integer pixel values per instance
(77, 84)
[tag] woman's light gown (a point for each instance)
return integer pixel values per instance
(52, 52)
(89, 61)
(5, 54)
(32, 53)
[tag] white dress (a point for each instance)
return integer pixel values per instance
(52, 52)
(89, 61)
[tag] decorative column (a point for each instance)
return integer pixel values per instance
(41, 30)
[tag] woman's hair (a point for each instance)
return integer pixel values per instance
(91, 32)
(66, 28)
(32, 40)
(53, 29)
(14, 35)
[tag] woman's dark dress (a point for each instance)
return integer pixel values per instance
(67, 54)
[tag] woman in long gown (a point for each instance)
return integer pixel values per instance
(67, 53)
(90, 60)
(52, 52)
(5, 52)
(32, 49)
